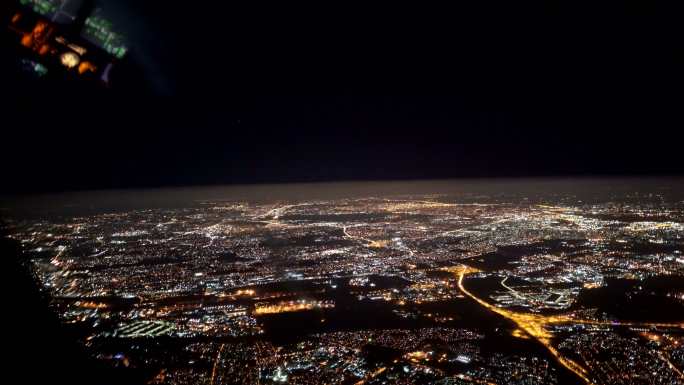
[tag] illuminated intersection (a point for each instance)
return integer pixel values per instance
(535, 325)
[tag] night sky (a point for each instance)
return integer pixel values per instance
(225, 95)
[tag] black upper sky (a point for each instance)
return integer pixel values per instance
(223, 94)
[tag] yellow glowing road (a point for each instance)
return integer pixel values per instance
(368, 242)
(535, 325)
(218, 357)
(670, 365)
(532, 324)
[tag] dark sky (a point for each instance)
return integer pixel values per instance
(223, 95)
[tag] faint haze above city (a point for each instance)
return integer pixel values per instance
(578, 191)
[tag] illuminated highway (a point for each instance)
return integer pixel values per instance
(354, 237)
(535, 325)
(513, 291)
(532, 324)
(216, 362)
